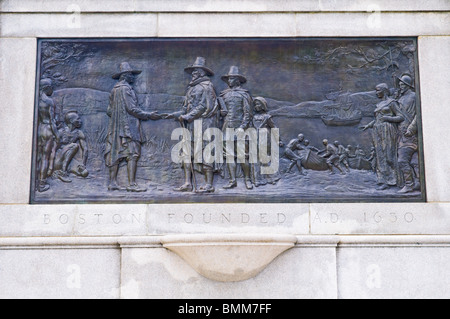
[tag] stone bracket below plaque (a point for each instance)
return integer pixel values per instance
(228, 257)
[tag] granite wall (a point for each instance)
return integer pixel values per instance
(351, 250)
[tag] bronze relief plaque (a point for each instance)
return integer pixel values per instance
(169, 120)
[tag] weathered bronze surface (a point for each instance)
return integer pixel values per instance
(151, 120)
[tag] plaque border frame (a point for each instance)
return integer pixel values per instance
(224, 200)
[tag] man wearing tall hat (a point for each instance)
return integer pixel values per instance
(124, 139)
(408, 142)
(199, 103)
(238, 116)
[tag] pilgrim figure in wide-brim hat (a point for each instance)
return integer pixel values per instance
(125, 135)
(238, 111)
(199, 104)
(200, 63)
(125, 68)
(234, 72)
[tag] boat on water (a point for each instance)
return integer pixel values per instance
(359, 163)
(342, 114)
(337, 120)
(312, 160)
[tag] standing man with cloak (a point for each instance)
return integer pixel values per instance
(238, 112)
(200, 103)
(125, 137)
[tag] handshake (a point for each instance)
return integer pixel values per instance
(178, 116)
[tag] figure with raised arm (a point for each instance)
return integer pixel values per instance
(385, 136)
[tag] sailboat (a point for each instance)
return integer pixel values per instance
(342, 116)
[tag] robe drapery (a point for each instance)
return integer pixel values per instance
(125, 136)
(385, 136)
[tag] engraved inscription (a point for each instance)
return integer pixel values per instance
(227, 218)
(93, 219)
(377, 217)
(392, 217)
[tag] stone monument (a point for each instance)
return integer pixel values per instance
(224, 149)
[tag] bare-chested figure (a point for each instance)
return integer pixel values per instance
(47, 133)
(72, 142)
(290, 153)
(331, 153)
